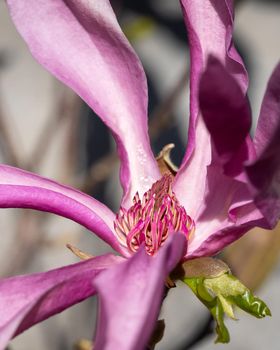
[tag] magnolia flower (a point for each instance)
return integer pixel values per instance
(226, 183)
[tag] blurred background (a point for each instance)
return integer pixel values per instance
(47, 129)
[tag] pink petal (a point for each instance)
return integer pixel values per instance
(131, 295)
(27, 300)
(80, 42)
(22, 189)
(210, 26)
(264, 172)
(222, 238)
(270, 112)
(227, 115)
(264, 176)
(228, 206)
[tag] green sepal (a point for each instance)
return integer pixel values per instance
(213, 304)
(234, 292)
(251, 304)
(219, 292)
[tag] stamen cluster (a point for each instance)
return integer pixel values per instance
(149, 221)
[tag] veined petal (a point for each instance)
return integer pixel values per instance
(27, 300)
(22, 189)
(80, 42)
(210, 25)
(264, 172)
(131, 294)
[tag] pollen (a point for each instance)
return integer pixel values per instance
(153, 218)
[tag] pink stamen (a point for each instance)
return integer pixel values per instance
(151, 220)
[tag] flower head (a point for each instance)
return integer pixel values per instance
(219, 192)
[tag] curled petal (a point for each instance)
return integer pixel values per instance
(210, 25)
(270, 112)
(264, 176)
(264, 172)
(22, 189)
(131, 294)
(27, 300)
(227, 115)
(80, 42)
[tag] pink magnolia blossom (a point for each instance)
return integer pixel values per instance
(227, 182)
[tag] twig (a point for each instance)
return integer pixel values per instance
(99, 172)
(66, 104)
(161, 118)
(28, 241)
(10, 150)
(72, 141)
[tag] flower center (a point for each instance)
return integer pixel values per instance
(149, 221)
